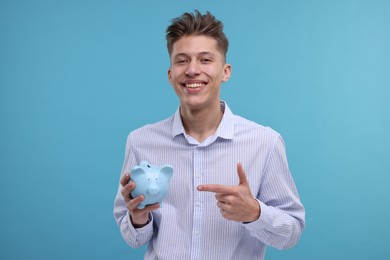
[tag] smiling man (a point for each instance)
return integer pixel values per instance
(231, 193)
(197, 70)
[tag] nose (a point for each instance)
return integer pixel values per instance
(193, 69)
(153, 190)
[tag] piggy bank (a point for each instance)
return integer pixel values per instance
(150, 181)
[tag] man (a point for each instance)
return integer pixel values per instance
(231, 193)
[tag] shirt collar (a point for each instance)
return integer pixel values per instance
(225, 129)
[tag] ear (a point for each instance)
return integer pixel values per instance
(170, 75)
(167, 170)
(227, 71)
(136, 171)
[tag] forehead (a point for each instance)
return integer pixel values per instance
(194, 45)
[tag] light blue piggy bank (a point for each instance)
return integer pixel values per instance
(150, 181)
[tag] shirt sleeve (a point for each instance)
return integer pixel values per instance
(282, 217)
(134, 237)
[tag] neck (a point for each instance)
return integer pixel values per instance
(200, 124)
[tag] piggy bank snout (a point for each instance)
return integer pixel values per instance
(153, 189)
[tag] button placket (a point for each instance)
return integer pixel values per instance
(197, 210)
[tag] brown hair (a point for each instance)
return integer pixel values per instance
(197, 24)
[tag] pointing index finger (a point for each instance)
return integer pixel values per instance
(215, 188)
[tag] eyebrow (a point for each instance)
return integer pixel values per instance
(187, 55)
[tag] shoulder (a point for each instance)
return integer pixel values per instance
(163, 127)
(248, 127)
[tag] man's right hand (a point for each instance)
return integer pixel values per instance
(138, 217)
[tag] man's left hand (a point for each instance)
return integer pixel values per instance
(235, 202)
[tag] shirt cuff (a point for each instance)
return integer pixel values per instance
(144, 229)
(263, 221)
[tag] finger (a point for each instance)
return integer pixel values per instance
(221, 205)
(125, 179)
(219, 196)
(241, 175)
(222, 197)
(133, 205)
(215, 188)
(152, 207)
(126, 190)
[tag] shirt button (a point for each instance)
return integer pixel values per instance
(197, 204)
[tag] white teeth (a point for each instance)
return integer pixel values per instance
(195, 85)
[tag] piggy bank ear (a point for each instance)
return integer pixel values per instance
(136, 171)
(167, 170)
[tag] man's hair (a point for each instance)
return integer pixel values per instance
(197, 24)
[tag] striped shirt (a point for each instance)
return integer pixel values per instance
(189, 224)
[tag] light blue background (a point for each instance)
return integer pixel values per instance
(77, 76)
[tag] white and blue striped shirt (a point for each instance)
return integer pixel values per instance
(189, 224)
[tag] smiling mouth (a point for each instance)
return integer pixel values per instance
(194, 85)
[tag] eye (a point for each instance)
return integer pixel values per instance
(181, 62)
(206, 60)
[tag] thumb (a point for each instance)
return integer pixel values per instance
(241, 175)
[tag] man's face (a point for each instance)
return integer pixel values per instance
(197, 70)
